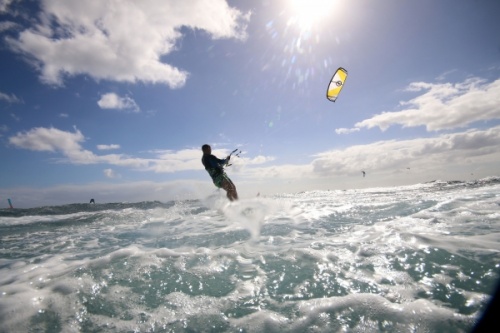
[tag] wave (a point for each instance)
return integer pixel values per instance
(365, 260)
(433, 185)
(79, 208)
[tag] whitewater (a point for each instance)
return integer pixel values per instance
(420, 258)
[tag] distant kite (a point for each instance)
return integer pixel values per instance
(363, 173)
(336, 84)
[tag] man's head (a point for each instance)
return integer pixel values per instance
(206, 149)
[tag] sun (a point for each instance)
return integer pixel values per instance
(309, 13)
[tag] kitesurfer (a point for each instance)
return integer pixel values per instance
(92, 201)
(215, 168)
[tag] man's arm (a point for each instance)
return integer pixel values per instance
(215, 162)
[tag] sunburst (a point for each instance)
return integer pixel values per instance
(310, 13)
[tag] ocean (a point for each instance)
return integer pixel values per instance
(420, 258)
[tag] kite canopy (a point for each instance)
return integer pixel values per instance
(336, 84)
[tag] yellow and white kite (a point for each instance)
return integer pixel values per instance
(336, 84)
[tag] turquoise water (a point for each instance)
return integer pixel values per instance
(422, 258)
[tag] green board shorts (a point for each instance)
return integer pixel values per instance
(220, 178)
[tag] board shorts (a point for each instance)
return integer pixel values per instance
(220, 178)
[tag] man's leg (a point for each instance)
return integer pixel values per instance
(228, 185)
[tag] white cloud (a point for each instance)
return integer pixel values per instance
(7, 25)
(113, 101)
(346, 130)
(108, 147)
(384, 161)
(172, 161)
(190, 159)
(4, 4)
(69, 144)
(260, 159)
(443, 106)
(121, 40)
(282, 172)
(48, 139)
(9, 98)
(15, 117)
(110, 173)
(450, 156)
(445, 151)
(241, 162)
(3, 129)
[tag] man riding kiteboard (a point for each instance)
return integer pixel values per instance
(215, 168)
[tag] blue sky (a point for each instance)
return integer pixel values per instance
(112, 100)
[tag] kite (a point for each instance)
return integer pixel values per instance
(336, 84)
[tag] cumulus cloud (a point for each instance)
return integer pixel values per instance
(69, 145)
(48, 139)
(446, 155)
(121, 40)
(480, 148)
(446, 151)
(113, 101)
(443, 106)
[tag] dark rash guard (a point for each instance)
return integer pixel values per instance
(214, 167)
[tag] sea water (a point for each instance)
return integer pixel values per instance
(422, 258)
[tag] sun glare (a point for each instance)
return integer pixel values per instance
(309, 13)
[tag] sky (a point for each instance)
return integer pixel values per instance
(113, 99)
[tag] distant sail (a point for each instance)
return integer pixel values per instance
(336, 84)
